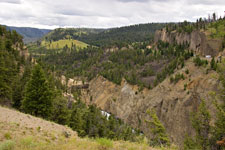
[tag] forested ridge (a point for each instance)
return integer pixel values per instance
(118, 37)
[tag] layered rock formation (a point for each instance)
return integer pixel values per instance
(199, 42)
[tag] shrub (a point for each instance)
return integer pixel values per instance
(213, 64)
(199, 62)
(104, 143)
(185, 86)
(176, 78)
(7, 136)
(28, 142)
(187, 71)
(7, 145)
(189, 143)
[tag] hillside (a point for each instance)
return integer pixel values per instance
(73, 33)
(29, 34)
(20, 131)
(107, 37)
(172, 101)
(137, 64)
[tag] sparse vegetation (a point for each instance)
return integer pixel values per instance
(199, 62)
(177, 78)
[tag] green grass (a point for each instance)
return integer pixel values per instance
(104, 143)
(7, 145)
(62, 43)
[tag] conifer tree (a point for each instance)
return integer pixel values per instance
(158, 131)
(38, 98)
(219, 128)
(60, 112)
(77, 121)
(213, 64)
(201, 124)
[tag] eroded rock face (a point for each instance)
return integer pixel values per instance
(23, 51)
(172, 103)
(198, 41)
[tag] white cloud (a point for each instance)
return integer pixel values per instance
(11, 1)
(103, 13)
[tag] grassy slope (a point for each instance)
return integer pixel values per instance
(20, 131)
(62, 43)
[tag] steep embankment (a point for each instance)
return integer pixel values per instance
(172, 102)
(20, 131)
(199, 41)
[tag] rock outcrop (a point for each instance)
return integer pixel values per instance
(172, 103)
(198, 41)
(23, 51)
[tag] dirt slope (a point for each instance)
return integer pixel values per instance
(25, 122)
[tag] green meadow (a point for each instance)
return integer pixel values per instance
(62, 43)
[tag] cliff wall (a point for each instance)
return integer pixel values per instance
(198, 40)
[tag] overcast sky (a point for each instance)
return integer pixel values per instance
(103, 13)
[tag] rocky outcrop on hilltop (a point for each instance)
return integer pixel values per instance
(172, 102)
(198, 41)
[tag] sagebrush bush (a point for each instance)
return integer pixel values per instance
(7, 145)
(7, 136)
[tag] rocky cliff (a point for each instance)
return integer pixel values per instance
(198, 41)
(172, 103)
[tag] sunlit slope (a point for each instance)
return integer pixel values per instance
(63, 43)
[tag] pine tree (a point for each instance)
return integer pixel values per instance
(77, 121)
(201, 124)
(38, 98)
(60, 113)
(213, 64)
(158, 131)
(219, 128)
(18, 87)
